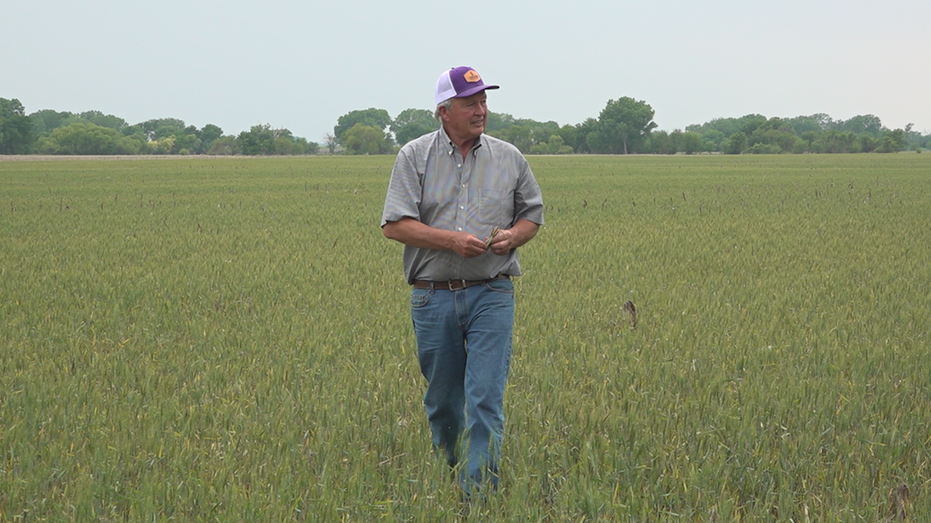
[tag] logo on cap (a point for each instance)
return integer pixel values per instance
(471, 76)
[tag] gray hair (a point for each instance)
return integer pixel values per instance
(448, 103)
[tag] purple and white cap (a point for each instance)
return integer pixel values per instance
(459, 82)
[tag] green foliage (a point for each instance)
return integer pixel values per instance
(47, 120)
(659, 143)
(90, 139)
(364, 139)
(372, 117)
(162, 127)
(413, 123)
(555, 145)
(817, 133)
(181, 341)
(735, 144)
(529, 136)
(169, 136)
(263, 140)
(862, 124)
(259, 140)
(16, 129)
(623, 126)
(892, 141)
(225, 146)
(520, 136)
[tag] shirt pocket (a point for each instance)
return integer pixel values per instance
(496, 208)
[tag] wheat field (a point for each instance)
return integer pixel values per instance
(228, 339)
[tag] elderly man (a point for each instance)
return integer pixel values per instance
(462, 202)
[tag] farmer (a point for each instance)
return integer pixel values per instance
(462, 202)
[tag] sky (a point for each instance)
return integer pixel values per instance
(300, 65)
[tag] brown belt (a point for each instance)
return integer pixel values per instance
(454, 285)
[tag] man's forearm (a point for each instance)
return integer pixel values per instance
(523, 231)
(416, 234)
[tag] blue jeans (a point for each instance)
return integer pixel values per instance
(464, 345)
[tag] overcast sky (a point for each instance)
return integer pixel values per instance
(300, 65)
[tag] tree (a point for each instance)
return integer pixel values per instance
(186, 143)
(371, 117)
(47, 120)
(161, 127)
(736, 144)
(864, 123)
(259, 140)
(365, 139)
(691, 142)
(331, 142)
(518, 135)
(101, 119)
(16, 129)
(208, 135)
(88, 139)
(555, 145)
(802, 124)
(834, 142)
(659, 143)
(413, 123)
(624, 124)
(225, 146)
(892, 141)
(749, 123)
(263, 140)
(580, 144)
(712, 139)
(497, 122)
(809, 137)
(569, 135)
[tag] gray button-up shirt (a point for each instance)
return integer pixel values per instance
(492, 187)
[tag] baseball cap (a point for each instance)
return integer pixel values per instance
(459, 82)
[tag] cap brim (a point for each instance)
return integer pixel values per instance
(473, 90)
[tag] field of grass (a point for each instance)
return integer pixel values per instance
(229, 340)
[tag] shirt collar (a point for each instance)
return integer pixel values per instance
(452, 147)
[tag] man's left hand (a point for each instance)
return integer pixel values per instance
(507, 239)
(502, 242)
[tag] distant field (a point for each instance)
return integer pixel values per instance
(197, 339)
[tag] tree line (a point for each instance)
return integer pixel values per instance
(624, 126)
(96, 133)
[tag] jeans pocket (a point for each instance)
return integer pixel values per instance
(419, 298)
(501, 286)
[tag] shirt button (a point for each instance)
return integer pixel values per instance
(462, 206)
(459, 165)
(460, 228)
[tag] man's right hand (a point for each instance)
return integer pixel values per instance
(467, 245)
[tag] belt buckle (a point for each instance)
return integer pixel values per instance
(451, 284)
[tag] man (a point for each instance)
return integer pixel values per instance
(462, 203)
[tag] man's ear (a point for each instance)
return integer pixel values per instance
(443, 112)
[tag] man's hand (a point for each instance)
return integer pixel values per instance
(504, 240)
(411, 232)
(467, 245)
(501, 241)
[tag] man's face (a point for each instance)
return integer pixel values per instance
(466, 118)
